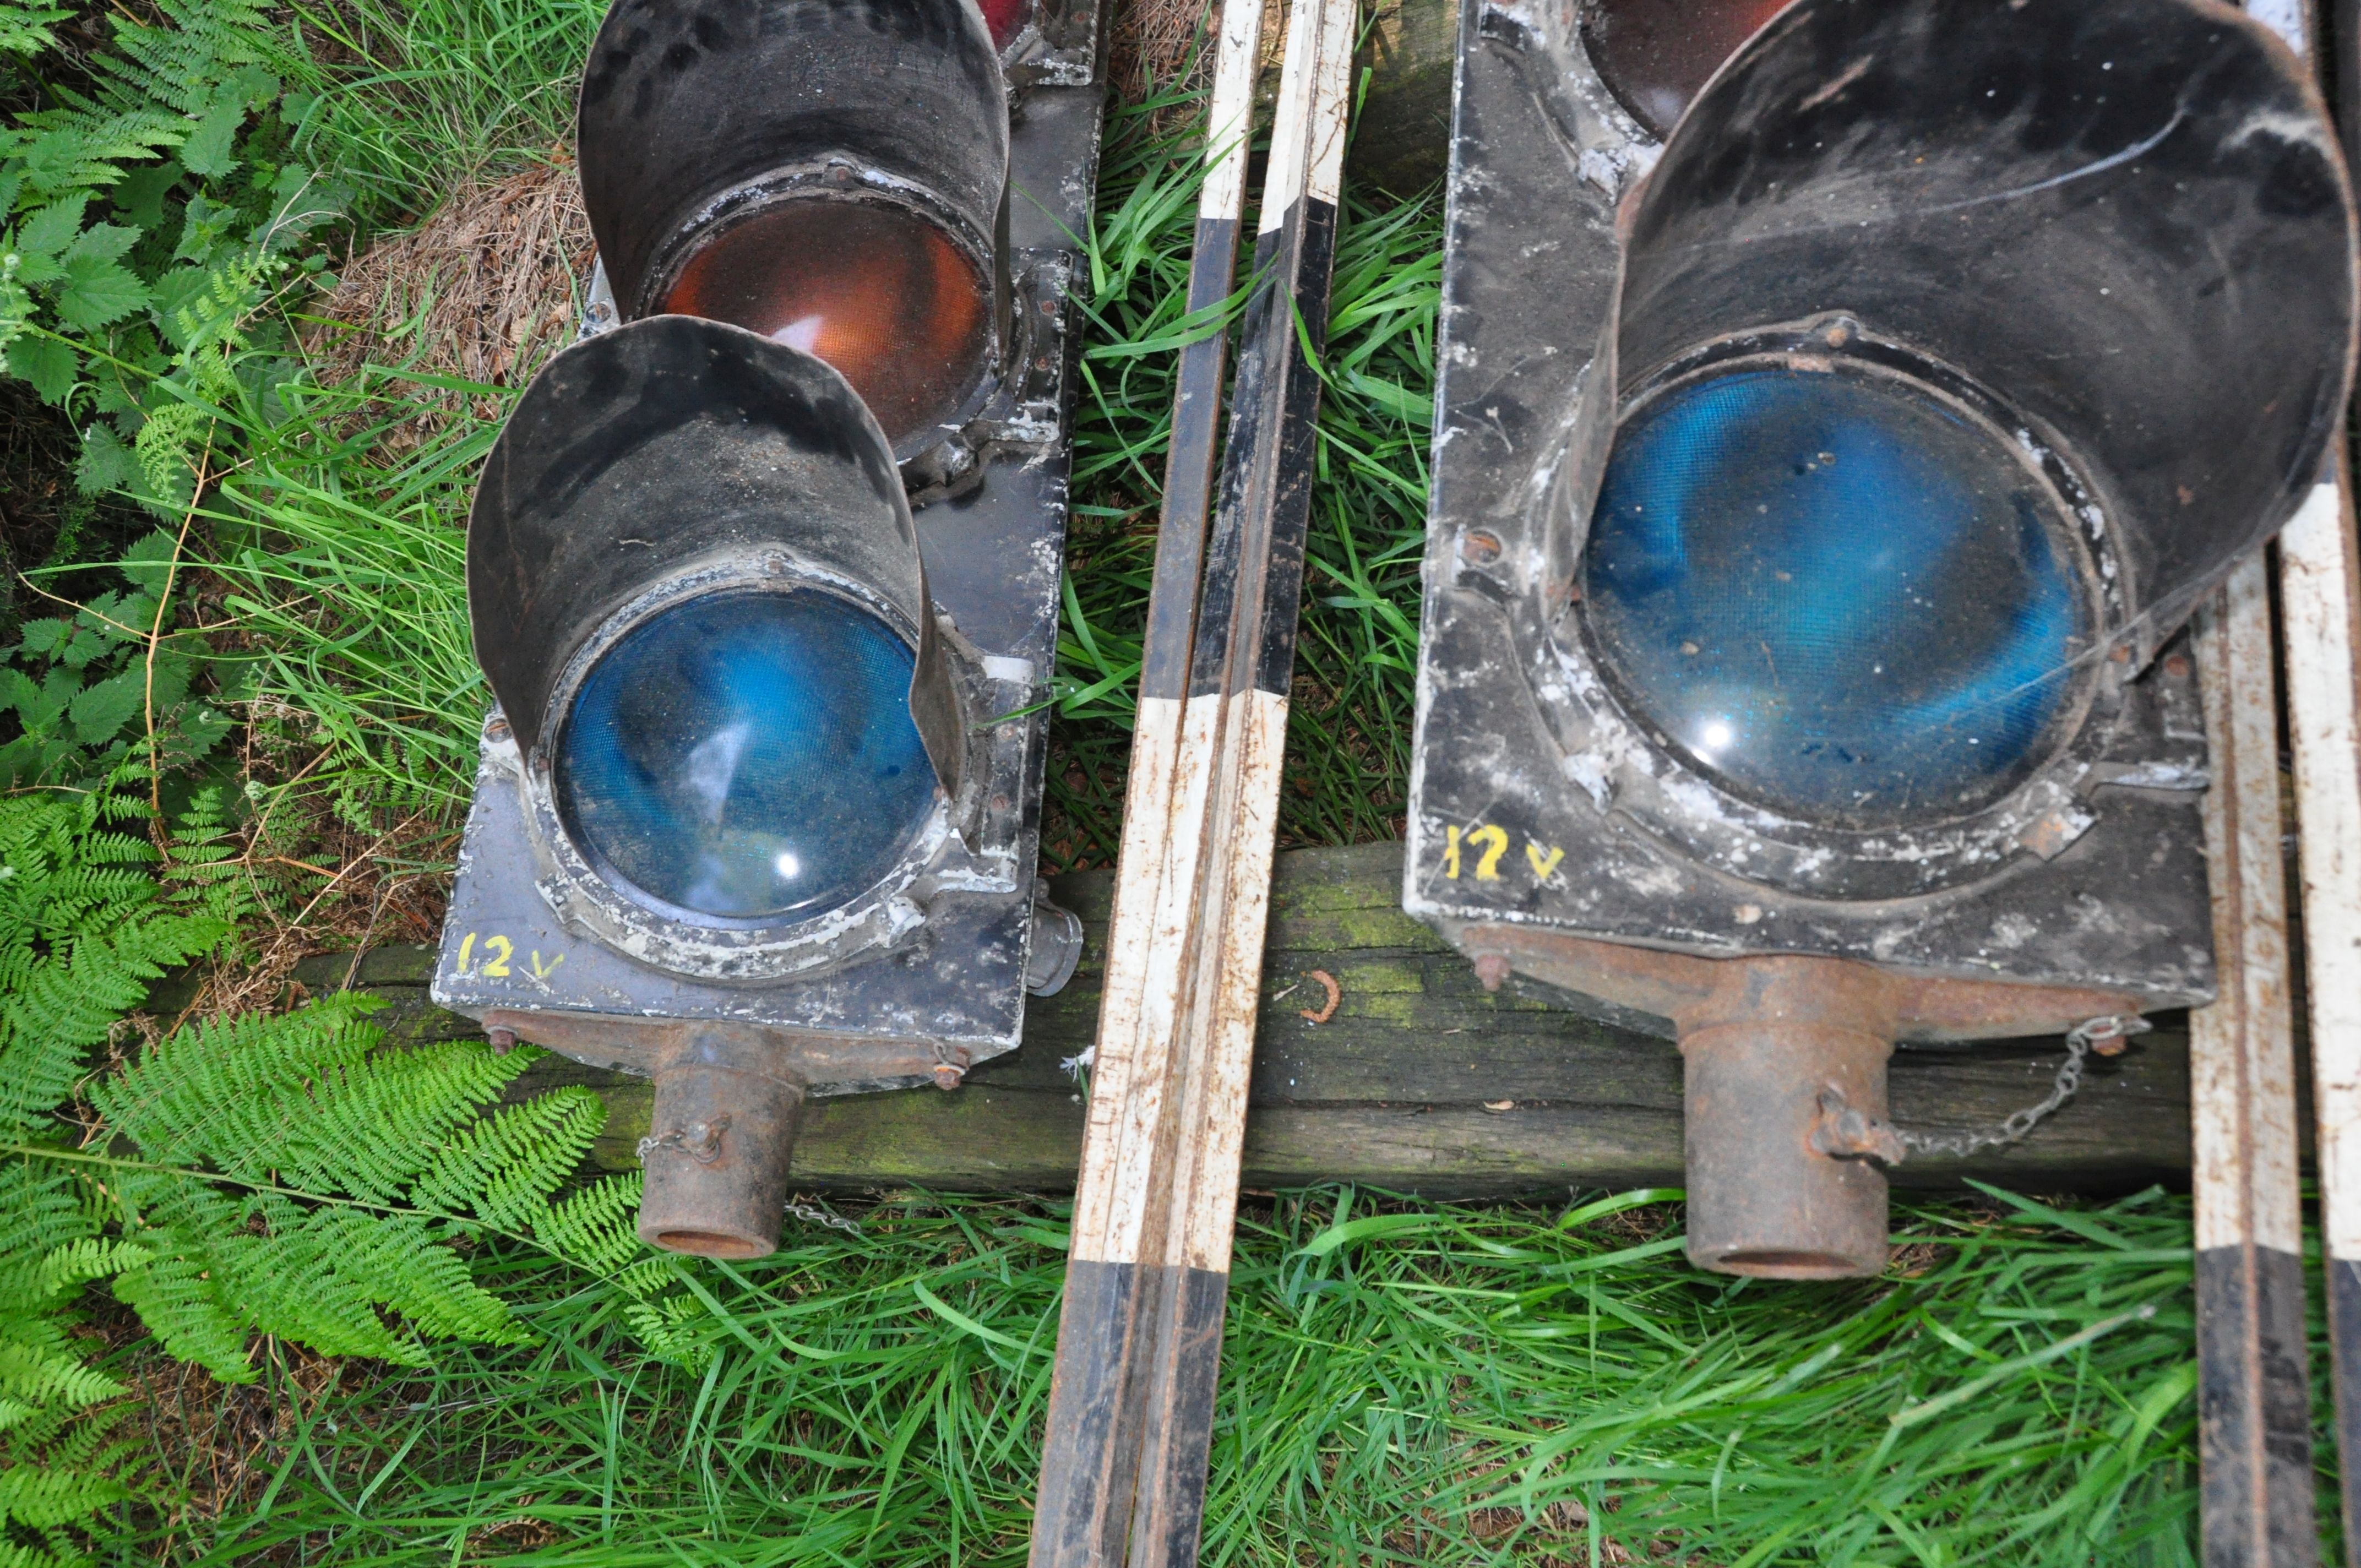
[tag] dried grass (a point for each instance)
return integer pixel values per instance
(1151, 43)
(482, 291)
(213, 1447)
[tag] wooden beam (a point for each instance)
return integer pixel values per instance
(1397, 1088)
(2319, 591)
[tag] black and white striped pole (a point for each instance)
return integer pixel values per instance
(2319, 594)
(2253, 1386)
(1241, 669)
(1091, 1448)
(1130, 1423)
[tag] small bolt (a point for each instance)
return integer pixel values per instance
(1048, 307)
(1491, 969)
(498, 730)
(503, 1041)
(948, 1074)
(1480, 548)
(2120, 655)
(2176, 666)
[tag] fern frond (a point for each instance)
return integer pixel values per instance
(87, 1443)
(183, 64)
(40, 1209)
(83, 1260)
(182, 1309)
(232, 1091)
(401, 1261)
(16, 1554)
(41, 1497)
(596, 1228)
(663, 1325)
(79, 149)
(48, 1377)
(374, 1125)
(506, 1165)
(66, 1005)
(287, 1283)
(28, 29)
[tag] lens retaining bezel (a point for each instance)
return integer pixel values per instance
(586, 892)
(1611, 750)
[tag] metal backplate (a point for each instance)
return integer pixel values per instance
(1514, 812)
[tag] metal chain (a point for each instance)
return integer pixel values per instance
(813, 1215)
(700, 1141)
(2108, 1035)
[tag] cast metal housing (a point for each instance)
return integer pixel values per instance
(665, 457)
(2118, 231)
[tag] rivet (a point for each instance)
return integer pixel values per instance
(1491, 969)
(1480, 548)
(502, 1040)
(2176, 666)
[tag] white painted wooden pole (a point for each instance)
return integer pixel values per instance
(2318, 594)
(2318, 601)
(1091, 1447)
(2254, 1384)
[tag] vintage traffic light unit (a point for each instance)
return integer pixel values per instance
(763, 577)
(1833, 435)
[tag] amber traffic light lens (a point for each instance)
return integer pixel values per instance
(1656, 54)
(879, 292)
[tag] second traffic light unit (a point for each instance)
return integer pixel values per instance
(1830, 440)
(757, 811)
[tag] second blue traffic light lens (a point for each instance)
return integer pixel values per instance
(746, 755)
(1835, 591)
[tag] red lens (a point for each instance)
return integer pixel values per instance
(1004, 18)
(878, 291)
(1656, 54)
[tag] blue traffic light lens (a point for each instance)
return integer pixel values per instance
(1839, 594)
(745, 755)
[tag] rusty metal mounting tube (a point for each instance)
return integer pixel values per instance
(716, 1157)
(1784, 1107)
(1785, 1128)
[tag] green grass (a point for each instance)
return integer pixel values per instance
(1430, 1386)
(417, 97)
(1408, 1384)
